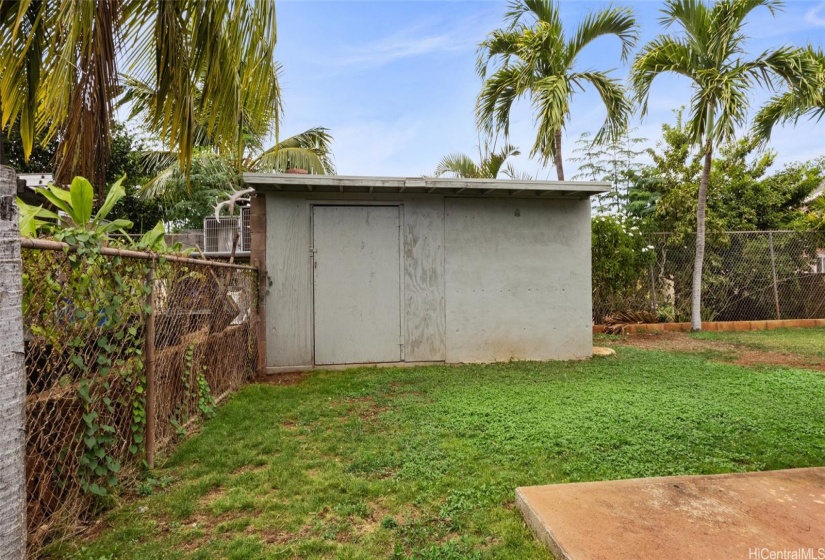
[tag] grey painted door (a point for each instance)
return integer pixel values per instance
(357, 284)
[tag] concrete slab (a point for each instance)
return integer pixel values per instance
(744, 515)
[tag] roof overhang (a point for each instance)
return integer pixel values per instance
(302, 183)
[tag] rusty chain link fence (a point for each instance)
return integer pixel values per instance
(124, 355)
(747, 276)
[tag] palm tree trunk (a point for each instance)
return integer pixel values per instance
(559, 161)
(12, 377)
(696, 304)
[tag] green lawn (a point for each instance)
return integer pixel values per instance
(808, 342)
(422, 462)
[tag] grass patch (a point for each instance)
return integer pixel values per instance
(423, 462)
(806, 342)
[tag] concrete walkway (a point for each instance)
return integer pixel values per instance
(727, 517)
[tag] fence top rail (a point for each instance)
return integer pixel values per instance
(49, 245)
(749, 232)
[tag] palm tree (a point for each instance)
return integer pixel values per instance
(709, 51)
(491, 164)
(532, 57)
(12, 379)
(217, 173)
(60, 62)
(804, 97)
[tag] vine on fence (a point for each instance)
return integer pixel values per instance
(85, 313)
(105, 300)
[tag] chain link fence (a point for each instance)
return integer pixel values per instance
(124, 354)
(747, 276)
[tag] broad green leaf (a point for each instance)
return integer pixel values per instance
(115, 225)
(61, 193)
(83, 196)
(28, 214)
(28, 224)
(152, 237)
(116, 192)
(52, 196)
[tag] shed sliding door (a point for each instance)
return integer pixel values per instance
(357, 284)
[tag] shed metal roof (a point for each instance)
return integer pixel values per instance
(300, 183)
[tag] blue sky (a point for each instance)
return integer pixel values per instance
(396, 84)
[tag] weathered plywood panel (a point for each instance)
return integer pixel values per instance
(289, 295)
(424, 311)
(357, 284)
(518, 282)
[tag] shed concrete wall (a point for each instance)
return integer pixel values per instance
(451, 248)
(518, 282)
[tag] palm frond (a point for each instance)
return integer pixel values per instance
(614, 99)
(21, 54)
(459, 166)
(660, 55)
(310, 150)
(512, 173)
(611, 21)
(545, 11)
(80, 86)
(492, 163)
(498, 94)
(551, 99)
(805, 95)
(211, 67)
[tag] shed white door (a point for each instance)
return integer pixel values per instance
(357, 284)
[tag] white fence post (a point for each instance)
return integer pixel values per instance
(12, 377)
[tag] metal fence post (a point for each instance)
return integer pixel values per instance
(12, 376)
(151, 382)
(775, 283)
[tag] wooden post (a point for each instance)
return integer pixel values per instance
(12, 377)
(775, 283)
(257, 226)
(149, 356)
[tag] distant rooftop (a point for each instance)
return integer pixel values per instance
(300, 183)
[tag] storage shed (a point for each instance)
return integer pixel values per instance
(362, 270)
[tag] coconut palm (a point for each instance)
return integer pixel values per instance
(61, 61)
(709, 50)
(532, 57)
(490, 166)
(805, 97)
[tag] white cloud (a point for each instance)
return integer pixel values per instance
(415, 40)
(816, 15)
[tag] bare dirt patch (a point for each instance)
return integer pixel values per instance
(728, 352)
(365, 408)
(211, 496)
(250, 469)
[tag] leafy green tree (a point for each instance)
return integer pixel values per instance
(125, 159)
(616, 161)
(490, 165)
(744, 193)
(708, 51)
(40, 160)
(532, 57)
(814, 218)
(60, 62)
